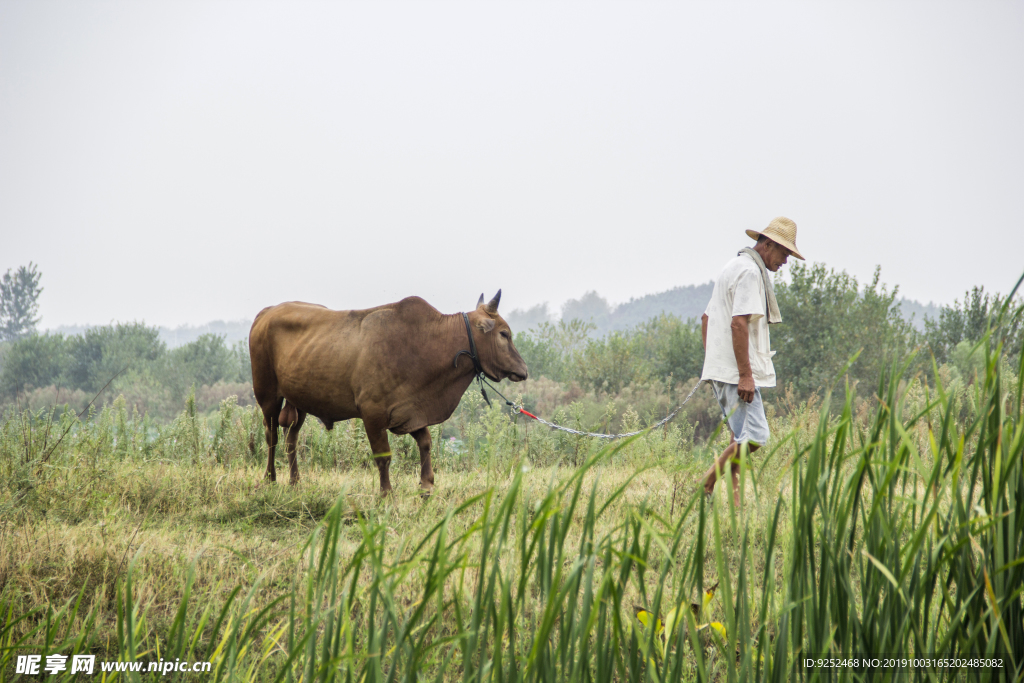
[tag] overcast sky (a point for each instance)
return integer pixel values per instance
(182, 162)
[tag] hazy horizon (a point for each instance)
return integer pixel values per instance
(179, 163)
(520, 319)
(553, 308)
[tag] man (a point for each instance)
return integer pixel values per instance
(737, 350)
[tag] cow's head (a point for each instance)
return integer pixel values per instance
(498, 356)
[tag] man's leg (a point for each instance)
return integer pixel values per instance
(711, 476)
(728, 402)
(729, 455)
(749, 421)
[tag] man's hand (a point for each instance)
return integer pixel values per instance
(740, 346)
(746, 388)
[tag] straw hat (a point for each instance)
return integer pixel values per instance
(782, 231)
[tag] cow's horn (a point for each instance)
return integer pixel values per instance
(492, 305)
(481, 299)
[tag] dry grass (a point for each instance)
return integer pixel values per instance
(86, 518)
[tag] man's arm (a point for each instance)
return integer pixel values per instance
(741, 347)
(704, 331)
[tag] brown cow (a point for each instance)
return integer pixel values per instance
(396, 367)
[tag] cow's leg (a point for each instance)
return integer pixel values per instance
(270, 423)
(376, 432)
(422, 437)
(291, 420)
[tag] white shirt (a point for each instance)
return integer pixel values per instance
(739, 291)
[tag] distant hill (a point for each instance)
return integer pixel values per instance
(916, 312)
(232, 331)
(686, 302)
(521, 320)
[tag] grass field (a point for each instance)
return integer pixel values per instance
(889, 527)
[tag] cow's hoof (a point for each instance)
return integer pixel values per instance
(426, 489)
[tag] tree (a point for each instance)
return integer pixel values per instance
(206, 360)
(826, 318)
(102, 352)
(674, 346)
(201, 362)
(969, 321)
(550, 348)
(36, 361)
(19, 302)
(241, 361)
(612, 362)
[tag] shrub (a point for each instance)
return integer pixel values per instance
(673, 346)
(37, 361)
(612, 362)
(98, 355)
(201, 362)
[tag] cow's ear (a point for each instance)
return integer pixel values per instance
(485, 325)
(480, 300)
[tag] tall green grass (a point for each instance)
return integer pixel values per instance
(900, 533)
